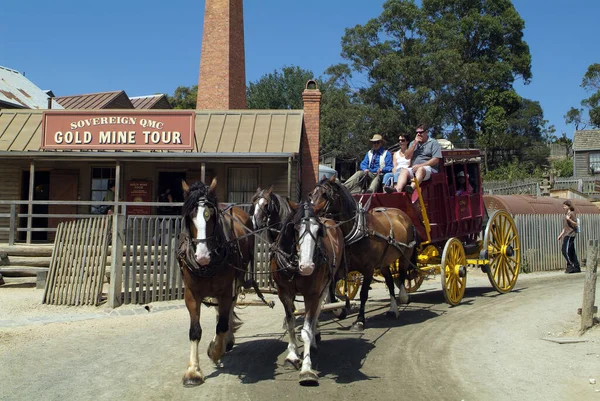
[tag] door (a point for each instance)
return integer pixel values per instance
(64, 186)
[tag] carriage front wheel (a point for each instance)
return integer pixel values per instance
(501, 248)
(454, 271)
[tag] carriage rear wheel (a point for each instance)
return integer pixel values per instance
(501, 244)
(454, 271)
(354, 282)
(413, 279)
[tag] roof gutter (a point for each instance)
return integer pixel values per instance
(170, 156)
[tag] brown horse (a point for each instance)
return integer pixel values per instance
(374, 240)
(268, 212)
(306, 259)
(214, 253)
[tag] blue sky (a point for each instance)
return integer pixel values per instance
(146, 47)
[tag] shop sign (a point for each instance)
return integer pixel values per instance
(138, 191)
(118, 130)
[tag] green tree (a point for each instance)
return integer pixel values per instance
(444, 62)
(184, 97)
(279, 89)
(591, 83)
(575, 116)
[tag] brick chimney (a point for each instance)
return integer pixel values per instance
(310, 137)
(222, 80)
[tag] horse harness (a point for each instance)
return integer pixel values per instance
(289, 262)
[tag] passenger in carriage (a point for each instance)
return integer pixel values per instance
(400, 162)
(376, 162)
(462, 186)
(425, 154)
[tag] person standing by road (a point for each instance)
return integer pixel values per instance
(568, 234)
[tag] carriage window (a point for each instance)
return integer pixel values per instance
(100, 178)
(241, 184)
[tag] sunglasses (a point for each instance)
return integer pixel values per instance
(403, 140)
(376, 143)
(420, 132)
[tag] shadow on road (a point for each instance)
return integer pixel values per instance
(253, 361)
(342, 358)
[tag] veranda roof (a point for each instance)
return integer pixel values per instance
(264, 132)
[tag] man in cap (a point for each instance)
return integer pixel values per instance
(376, 162)
(425, 154)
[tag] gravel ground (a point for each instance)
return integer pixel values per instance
(491, 347)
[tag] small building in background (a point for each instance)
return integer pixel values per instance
(586, 153)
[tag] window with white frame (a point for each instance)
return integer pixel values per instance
(241, 184)
(101, 176)
(595, 163)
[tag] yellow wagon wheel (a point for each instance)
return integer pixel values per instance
(413, 279)
(454, 271)
(354, 282)
(502, 249)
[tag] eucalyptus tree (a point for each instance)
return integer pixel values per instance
(448, 62)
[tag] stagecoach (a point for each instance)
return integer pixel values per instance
(454, 230)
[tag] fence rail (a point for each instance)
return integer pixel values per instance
(586, 185)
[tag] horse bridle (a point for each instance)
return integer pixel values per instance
(290, 261)
(218, 254)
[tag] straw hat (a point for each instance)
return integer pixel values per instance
(376, 138)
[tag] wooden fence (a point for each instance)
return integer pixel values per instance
(76, 273)
(585, 185)
(150, 270)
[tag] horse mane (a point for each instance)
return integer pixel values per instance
(286, 235)
(347, 201)
(284, 208)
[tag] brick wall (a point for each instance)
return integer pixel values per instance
(310, 138)
(222, 80)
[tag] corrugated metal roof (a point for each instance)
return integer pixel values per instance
(526, 204)
(150, 102)
(95, 101)
(230, 131)
(16, 91)
(588, 139)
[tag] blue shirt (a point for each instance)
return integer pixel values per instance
(375, 165)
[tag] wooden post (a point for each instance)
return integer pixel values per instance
(118, 230)
(589, 286)
(116, 261)
(29, 204)
(13, 224)
(289, 177)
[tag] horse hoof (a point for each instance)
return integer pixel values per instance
(318, 337)
(229, 346)
(358, 326)
(293, 363)
(309, 378)
(391, 315)
(192, 381)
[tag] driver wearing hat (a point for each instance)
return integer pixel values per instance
(376, 162)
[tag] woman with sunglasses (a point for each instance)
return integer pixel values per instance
(400, 161)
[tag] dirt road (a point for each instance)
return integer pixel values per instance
(490, 347)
